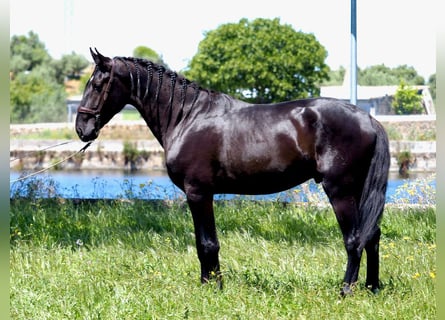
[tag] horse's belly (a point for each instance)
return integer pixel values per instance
(263, 182)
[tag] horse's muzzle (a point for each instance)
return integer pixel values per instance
(87, 127)
(86, 137)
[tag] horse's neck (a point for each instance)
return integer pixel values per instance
(161, 96)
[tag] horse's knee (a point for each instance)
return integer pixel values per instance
(210, 248)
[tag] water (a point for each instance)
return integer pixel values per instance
(104, 184)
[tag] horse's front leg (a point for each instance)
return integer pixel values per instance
(207, 243)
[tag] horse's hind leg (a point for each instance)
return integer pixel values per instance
(346, 211)
(372, 254)
(348, 217)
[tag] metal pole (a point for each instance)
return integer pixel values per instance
(353, 67)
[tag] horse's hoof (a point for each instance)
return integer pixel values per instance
(219, 280)
(374, 290)
(214, 277)
(346, 291)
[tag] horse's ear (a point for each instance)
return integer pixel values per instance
(104, 63)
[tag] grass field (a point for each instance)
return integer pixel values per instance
(137, 260)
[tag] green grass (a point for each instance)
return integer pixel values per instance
(137, 260)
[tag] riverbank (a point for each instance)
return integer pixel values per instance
(110, 155)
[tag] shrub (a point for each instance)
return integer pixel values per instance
(407, 100)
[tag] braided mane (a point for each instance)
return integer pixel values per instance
(149, 69)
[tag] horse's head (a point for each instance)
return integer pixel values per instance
(105, 95)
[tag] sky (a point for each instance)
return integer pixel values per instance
(390, 32)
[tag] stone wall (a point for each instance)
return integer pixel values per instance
(107, 151)
(411, 131)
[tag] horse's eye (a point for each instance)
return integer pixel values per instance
(97, 87)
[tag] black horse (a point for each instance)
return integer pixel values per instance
(215, 144)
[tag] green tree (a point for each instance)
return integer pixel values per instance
(149, 54)
(335, 77)
(70, 66)
(407, 100)
(27, 52)
(380, 75)
(377, 75)
(36, 97)
(37, 93)
(408, 74)
(260, 61)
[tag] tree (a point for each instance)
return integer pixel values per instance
(377, 75)
(407, 100)
(27, 52)
(149, 54)
(70, 66)
(380, 75)
(260, 61)
(408, 74)
(37, 92)
(36, 97)
(335, 77)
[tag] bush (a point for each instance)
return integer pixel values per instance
(407, 100)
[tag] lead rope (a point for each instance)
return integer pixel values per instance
(55, 164)
(46, 148)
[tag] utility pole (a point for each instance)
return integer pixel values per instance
(353, 67)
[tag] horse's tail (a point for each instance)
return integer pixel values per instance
(373, 196)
